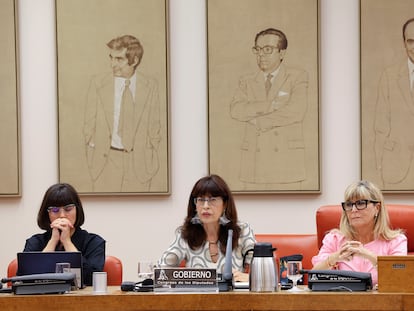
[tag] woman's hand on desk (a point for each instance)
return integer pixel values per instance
(239, 276)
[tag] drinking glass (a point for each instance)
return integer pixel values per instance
(145, 270)
(293, 273)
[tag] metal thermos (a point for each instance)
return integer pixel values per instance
(263, 276)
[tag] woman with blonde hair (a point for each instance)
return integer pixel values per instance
(364, 233)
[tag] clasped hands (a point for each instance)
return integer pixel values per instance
(61, 230)
(349, 249)
(355, 248)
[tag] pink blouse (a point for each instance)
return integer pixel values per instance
(334, 239)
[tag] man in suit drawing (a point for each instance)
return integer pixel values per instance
(122, 125)
(394, 118)
(272, 104)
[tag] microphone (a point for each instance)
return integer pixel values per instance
(226, 281)
(227, 272)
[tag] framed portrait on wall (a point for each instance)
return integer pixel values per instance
(387, 94)
(113, 97)
(10, 166)
(263, 94)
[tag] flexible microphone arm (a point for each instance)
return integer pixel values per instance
(227, 271)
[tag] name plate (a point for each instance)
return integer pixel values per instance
(185, 280)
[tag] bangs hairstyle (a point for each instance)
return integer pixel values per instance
(363, 190)
(195, 234)
(60, 195)
(367, 190)
(210, 186)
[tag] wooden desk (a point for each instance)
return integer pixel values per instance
(238, 300)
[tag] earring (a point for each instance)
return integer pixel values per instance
(196, 220)
(223, 219)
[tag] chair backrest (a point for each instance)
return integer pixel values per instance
(291, 244)
(12, 268)
(113, 268)
(401, 217)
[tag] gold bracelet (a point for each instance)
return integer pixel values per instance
(329, 264)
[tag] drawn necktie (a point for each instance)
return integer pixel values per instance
(127, 117)
(268, 83)
(412, 85)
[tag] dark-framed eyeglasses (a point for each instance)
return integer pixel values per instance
(212, 201)
(267, 49)
(56, 209)
(360, 204)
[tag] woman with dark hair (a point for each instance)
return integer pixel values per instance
(201, 241)
(61, 215)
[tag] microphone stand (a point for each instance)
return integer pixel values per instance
(225, 283)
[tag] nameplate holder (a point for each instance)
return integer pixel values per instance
(185, 280)
(395, 274)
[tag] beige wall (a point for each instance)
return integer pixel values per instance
(141, 227)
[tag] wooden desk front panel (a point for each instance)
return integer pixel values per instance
(129, 301)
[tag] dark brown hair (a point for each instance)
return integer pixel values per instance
(194, 234)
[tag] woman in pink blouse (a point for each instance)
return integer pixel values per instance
(364, 233)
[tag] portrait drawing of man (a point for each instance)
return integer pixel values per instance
(272, 103)
(122, 122)
(394, 117)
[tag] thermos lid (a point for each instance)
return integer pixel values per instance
(263, 249)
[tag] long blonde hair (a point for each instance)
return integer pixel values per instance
(367, 190)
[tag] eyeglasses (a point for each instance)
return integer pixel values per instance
(212, 201)
(267, 49)
(56, 209)
(360, 204)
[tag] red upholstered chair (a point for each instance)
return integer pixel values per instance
(401, 216)
(291, 244)
(113, 268)
(12, 268)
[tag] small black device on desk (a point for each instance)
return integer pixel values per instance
(146, 285)
(338, 280)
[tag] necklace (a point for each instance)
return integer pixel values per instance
(213, 248)
(212, 242)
